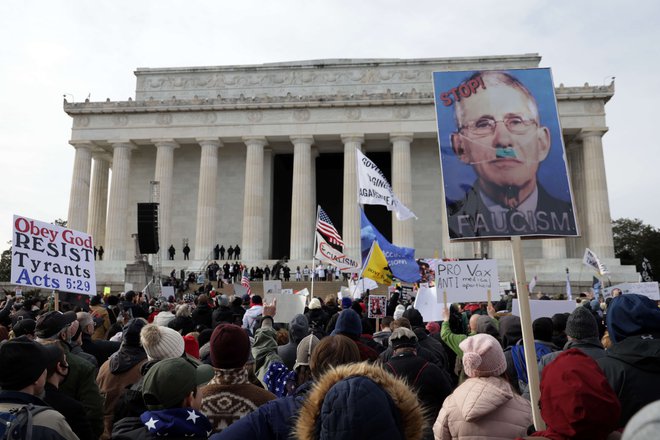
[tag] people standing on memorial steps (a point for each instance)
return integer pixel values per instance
(186, 252)
(171, 251)
(230, 253)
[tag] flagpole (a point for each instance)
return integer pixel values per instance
(316, 225)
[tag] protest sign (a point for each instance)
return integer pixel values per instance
(470, 107)
(327, 253)
(591, 260)
(377, 306)
(287, 306)
(52, 257)
(167, 291)
(543, 308)
(374, 189)
(649, 289)
(287, 291)
(239, 290)
(273, 286)
(107, 290)
(466, 281)
(429, 305)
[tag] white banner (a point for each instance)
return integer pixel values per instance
(543, 308)
(591, 259)
(466, 281)
(52, 257)
(649, 289)
(327, 253)
(374, 189)
(273, 286)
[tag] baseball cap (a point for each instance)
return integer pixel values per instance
(51, 323)
(169, 381)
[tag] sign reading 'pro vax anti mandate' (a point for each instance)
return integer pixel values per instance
(52, 257)
(466, 281)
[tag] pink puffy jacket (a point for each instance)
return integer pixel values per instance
(483, 408)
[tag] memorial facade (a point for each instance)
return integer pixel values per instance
(243, 155)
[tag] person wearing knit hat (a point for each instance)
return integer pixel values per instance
(429, 382)
(172, 394)
(398, 312)
(21, 387)
(349, 324)
(485, 403)
(191, 345)
(298, 329)
(161, 342)
(317, 317)
(576, 400)
(582, 333)
(632, 364)
(230, 395)
(122, 370)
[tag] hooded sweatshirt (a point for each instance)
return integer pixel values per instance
(576, 400)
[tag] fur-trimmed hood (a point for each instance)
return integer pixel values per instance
(360, 401)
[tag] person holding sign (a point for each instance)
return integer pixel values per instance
(500, 135)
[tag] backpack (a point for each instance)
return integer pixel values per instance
(518, 357)
(17, 423)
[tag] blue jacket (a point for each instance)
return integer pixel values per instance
(274, 420)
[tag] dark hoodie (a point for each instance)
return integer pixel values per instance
(576, 400)
(298, 329)
(430, 344)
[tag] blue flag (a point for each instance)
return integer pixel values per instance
(400, 259)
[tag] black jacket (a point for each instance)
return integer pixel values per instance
(632, 368)
(71, 409)
(202, 315)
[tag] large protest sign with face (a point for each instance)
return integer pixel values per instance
(52, 257)
(466, 281)
(502, 155)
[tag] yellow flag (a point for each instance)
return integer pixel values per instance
(376, 266)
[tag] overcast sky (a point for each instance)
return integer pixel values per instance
(52, 47)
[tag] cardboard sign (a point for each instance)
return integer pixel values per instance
(273, 286)
(167, 291)
(429, 305)
(466, 281)
(649, 289)
(52, 257)
(287, 291)
(377, 307)
(287, 306)
(543, 308)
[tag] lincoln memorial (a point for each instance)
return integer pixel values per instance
(243, 155)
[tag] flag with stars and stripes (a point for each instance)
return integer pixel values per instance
(245, 282)
(327, 229)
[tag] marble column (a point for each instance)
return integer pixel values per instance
(577, 245)
(117, 231)
(553, 248)
(402, 231)
(351, 213)
(597, 209)
(312, 169)
(164, 175)
(98, 200)
(268, 204)
(252, 247)
(79, 195)
(205, 237)
(302, 225)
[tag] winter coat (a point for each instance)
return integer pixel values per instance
(230, 396)
(632, 368)
(576, 400)
(81, 385)
(484, 408)
(591, 347)
(431, 384)
(100, 349)
(250, 317)
(46, 425)
(264, 351)
(382, 337)
(182, 324)
(122, 370)
(203, 315)
(70, 409)
(222, 314)
(274, 420)
(318, 319)
(360, 401)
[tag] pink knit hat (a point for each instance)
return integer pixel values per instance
(482, 356)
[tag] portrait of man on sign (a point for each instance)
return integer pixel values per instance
(502, 155)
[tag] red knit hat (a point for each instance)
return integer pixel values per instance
(230, 346)
(192, 346)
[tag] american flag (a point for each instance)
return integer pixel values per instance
(327, 229)
(245, 282)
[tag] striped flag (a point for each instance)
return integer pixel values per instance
(327, 229)
(245, 282)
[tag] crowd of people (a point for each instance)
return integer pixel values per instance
(219, 367)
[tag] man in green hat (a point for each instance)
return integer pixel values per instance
(171, 391)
